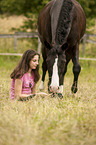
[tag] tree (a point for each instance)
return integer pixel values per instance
(89, 7)
(31, 9)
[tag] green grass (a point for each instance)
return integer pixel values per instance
(45, 120)
(90, 51)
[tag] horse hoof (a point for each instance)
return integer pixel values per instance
(74, 89)
(53, 95)
(60, 95)
(57, 94)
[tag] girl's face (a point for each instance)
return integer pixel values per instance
(34, 62)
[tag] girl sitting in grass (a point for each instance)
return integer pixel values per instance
(25, 76)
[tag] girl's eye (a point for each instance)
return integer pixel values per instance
(34, 60)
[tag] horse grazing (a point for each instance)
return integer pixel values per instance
(61, 25)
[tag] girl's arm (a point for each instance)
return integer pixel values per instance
(40, 93)
(18, 90)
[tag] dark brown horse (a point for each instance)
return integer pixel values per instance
(61, 25)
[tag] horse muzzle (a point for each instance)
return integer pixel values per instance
(54, 89)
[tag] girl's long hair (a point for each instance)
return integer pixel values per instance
(23, 66)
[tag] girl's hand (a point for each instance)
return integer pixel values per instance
(41, 93)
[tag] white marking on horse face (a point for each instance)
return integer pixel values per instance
(41, 87)
(55, 77)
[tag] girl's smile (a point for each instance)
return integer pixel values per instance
(34, 62)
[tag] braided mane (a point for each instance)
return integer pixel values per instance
(64, 22)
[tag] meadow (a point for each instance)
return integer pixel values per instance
(45, 120)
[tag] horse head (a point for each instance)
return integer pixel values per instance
(56, 62)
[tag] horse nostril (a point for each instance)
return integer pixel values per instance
(50, 88)
(54, 89)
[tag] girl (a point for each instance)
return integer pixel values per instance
(25, 76)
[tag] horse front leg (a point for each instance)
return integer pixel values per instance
(44, 69)
(76, 68)
(61, 80)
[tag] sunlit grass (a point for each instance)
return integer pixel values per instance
(9, 22)
(45, 120)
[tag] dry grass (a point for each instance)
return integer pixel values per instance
(7, 23)
(7, 44)
(46, 120)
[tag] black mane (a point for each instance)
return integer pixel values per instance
(64, 22)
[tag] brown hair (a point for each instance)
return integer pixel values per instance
(23, 66)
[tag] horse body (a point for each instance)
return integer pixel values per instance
(61, 25)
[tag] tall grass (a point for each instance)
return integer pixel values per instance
(45, 120)
(8, 23)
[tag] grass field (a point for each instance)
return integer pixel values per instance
(45, 120)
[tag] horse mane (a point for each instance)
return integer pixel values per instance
(64, 21)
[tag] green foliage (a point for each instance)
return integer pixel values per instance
(32, 8)
(89, 7)
(91, 23)
(12, 7)
(30, 24)
(20, 7)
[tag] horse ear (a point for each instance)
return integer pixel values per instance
(64, 46)
(47, 45)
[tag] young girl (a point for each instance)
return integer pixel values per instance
(25, 76)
